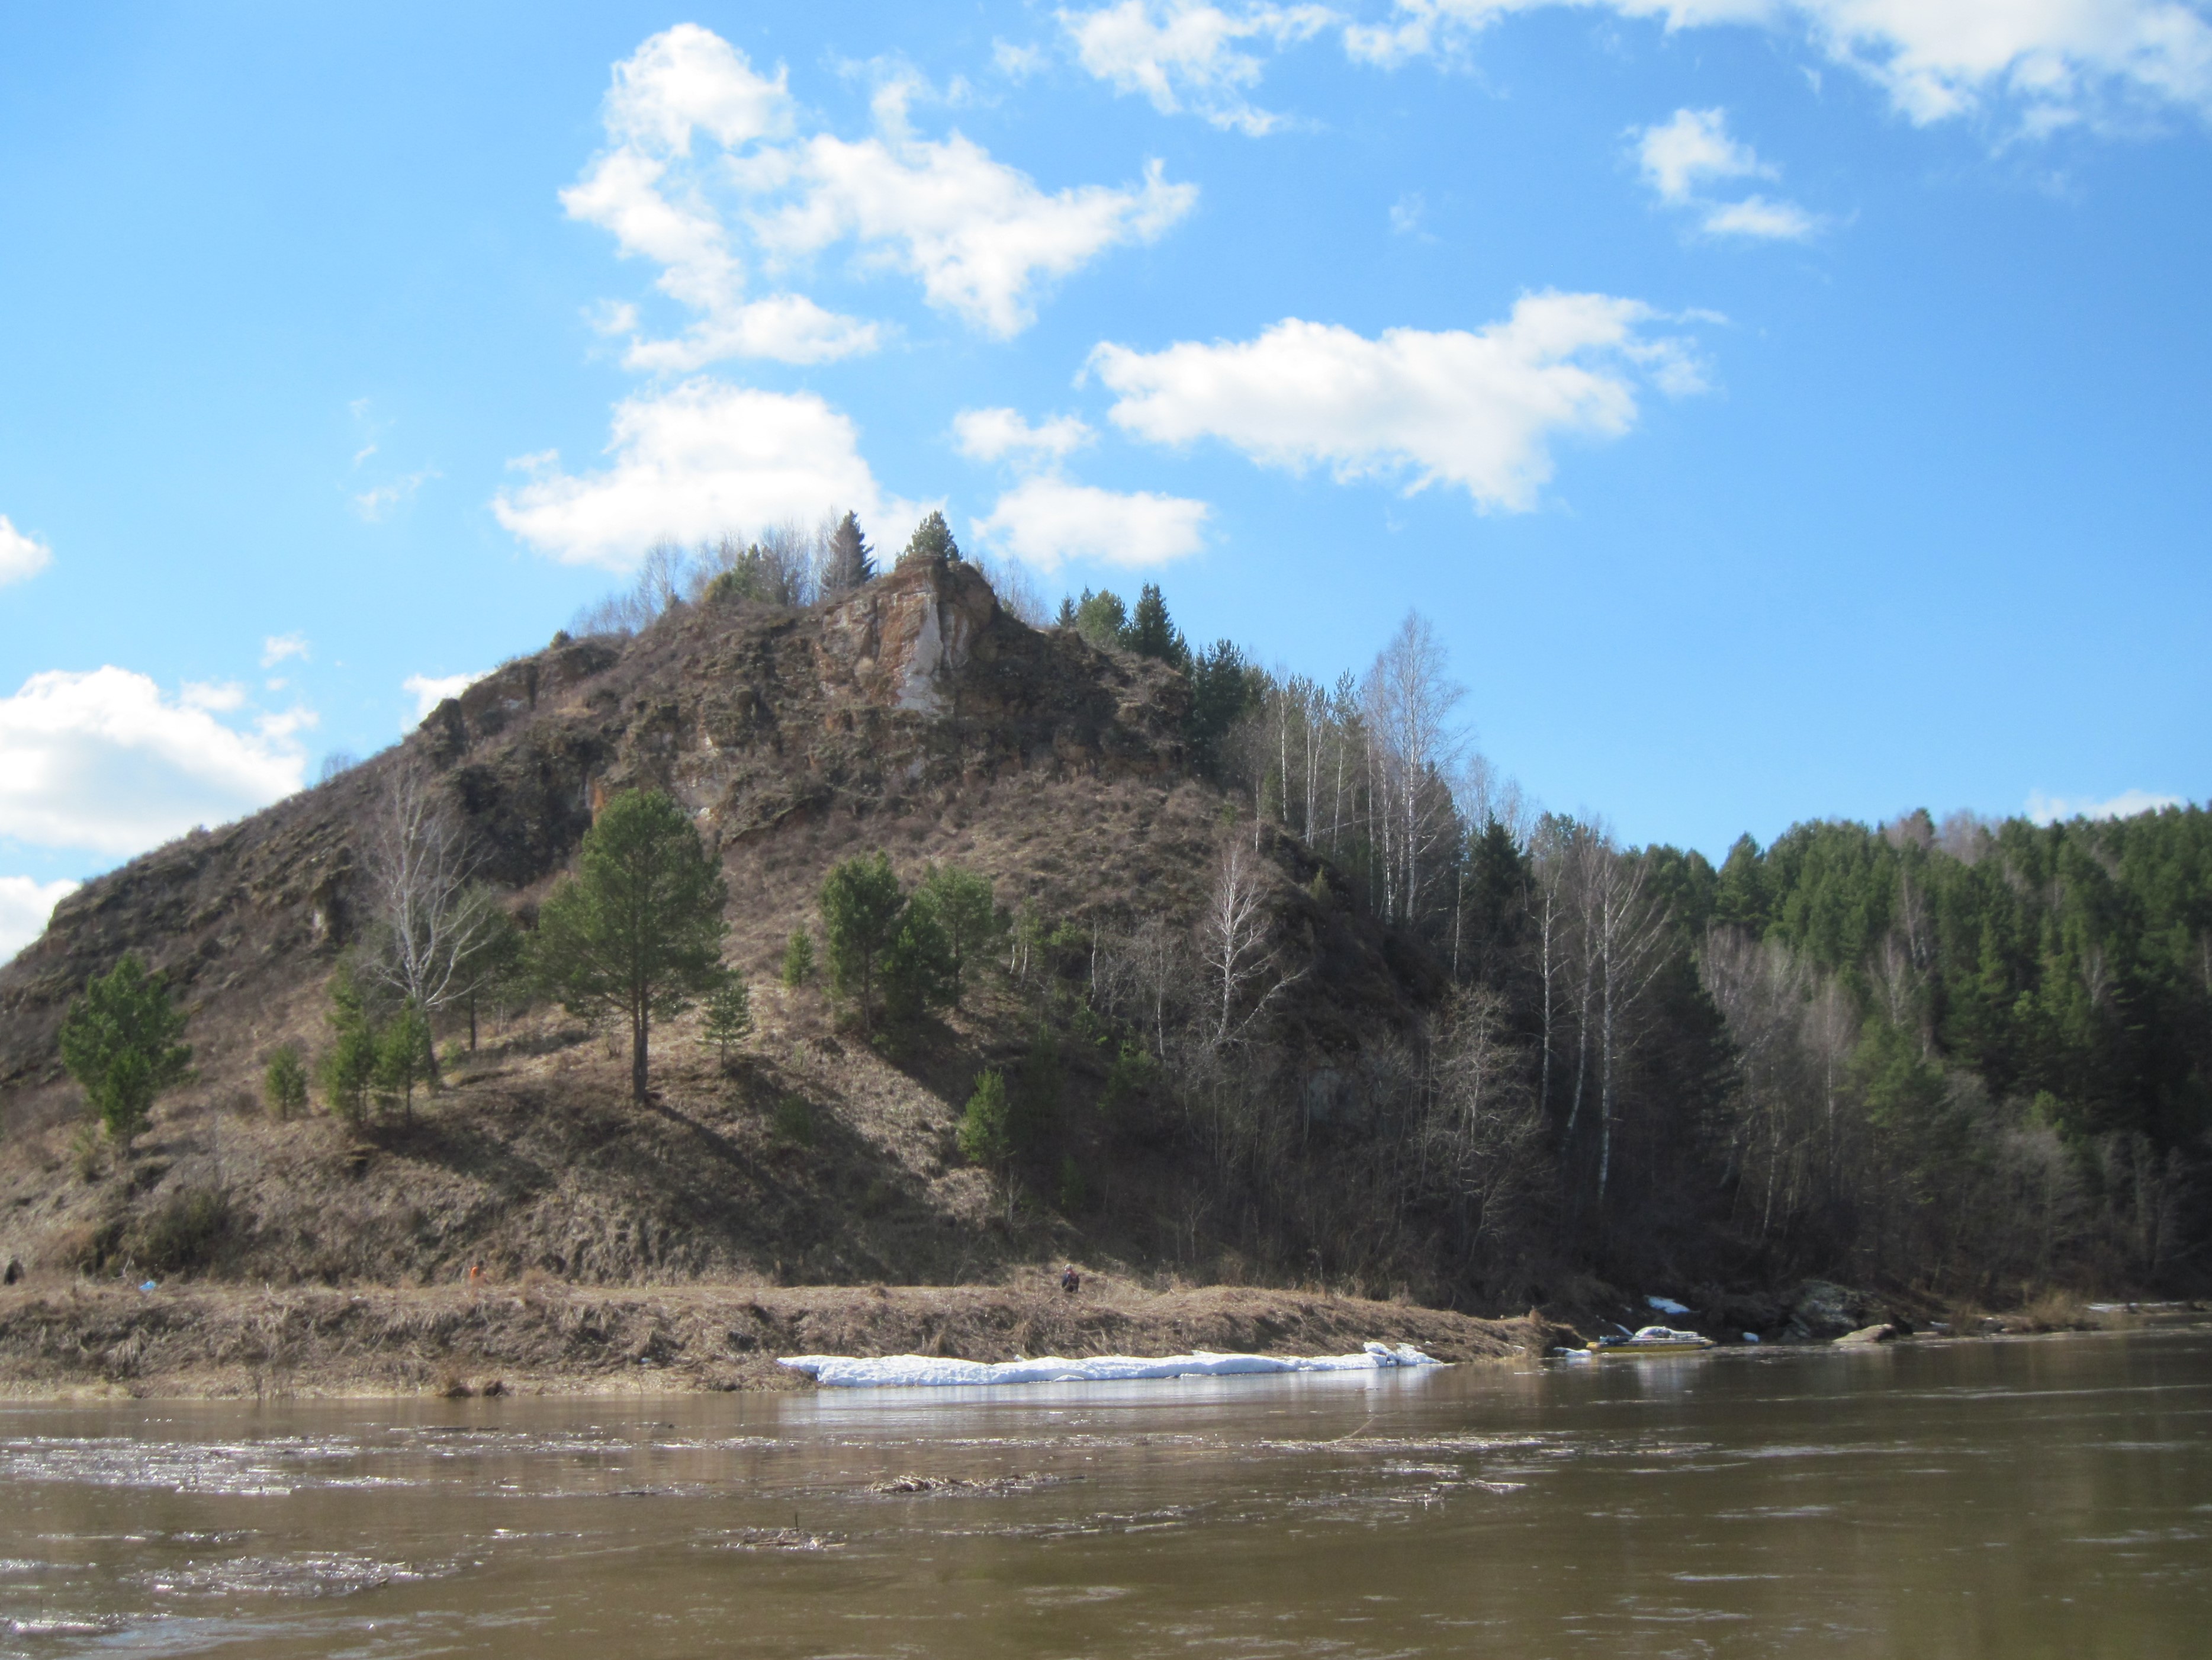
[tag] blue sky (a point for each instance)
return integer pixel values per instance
(1783, 409)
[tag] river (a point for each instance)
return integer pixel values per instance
(2042, 1496)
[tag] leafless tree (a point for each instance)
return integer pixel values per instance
(1234, 945)
(435, 922)
(1408, 698)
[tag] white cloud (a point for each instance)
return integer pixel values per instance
(371, 506)
(215, 696)
(2054, 60)
(1185, 54)
(704, 161)
(429, 690)
(1475, 410)
(278, 647)
(2049, 809)
(20, 555)
(1047, 521)
(996, 434)
(25, 905)
(103, 760)
(1756, 216)
(691, 462)
(978, 234)
(1681, 156)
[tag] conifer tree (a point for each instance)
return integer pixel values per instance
(931, 542)
(798, 959)
(962, 900)
(861, 907)
(729, 1016)
(850, 563)
(638, 930)
(1152, 633)
(120, 1041)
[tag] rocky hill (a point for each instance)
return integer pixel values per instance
(914, 715)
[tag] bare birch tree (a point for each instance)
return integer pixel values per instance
(436, 923)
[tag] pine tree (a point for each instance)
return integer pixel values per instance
(850, 563)
(962, 901)
(284, 1082)
(798, 959)
(119, 1042)
(638, 930)
(861, 907)
(986, 1125)
(931, 542)
(729, 1016)
(1103, 619)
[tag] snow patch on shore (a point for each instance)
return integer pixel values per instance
(928, 1371)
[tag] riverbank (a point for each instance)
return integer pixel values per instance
(78, 1339)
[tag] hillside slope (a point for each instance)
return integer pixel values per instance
(916, 716)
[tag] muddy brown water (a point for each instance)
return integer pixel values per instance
(2046, 1496)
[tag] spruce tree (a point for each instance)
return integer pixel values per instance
(798, 959)
(1152, 633)
(850, 563)
(962, 901)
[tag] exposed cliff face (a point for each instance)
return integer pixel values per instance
(758, 719)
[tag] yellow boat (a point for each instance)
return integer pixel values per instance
(1651, 1339)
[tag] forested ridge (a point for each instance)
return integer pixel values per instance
(1975, 1056)
(1128, 949)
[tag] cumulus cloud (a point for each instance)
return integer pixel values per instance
(25, 905)
(996, 434)
(104, 761)
(1046, 521)
(429, 690)
(278, 647)
(1682, 157)
(2049, 809)
(691, 462)
(706, 167)
(20, 555)
(1184, 54)
(1479, 410)
(2052, 60)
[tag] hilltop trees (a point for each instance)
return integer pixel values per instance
(638, 930)
(846, 563)
(119, 1042)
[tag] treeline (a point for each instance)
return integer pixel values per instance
(1971, 1055)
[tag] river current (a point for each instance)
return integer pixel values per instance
(2043, 1496)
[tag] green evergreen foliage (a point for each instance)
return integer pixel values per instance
(637, 931)
(119, 1041)
(727, 1016)
(986, 1134)
(1223, 686)
(404, 1057)
(861, 907)
(284, 1082)
(350, 1065)
(1065, 619)
(918, 967)
(1102, 619)
(850, 562)
(931, 542)
(1152, 633)
(797, 958)
(963, 903)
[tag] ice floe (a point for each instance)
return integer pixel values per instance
(928, 1371)
(1667, 1306)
